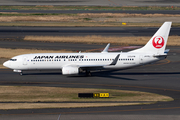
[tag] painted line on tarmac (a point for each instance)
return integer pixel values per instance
(158, 63)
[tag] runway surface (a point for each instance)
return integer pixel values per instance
(93, 2)
(51, 46)
(13, 36)
(97, 11)
(8, 32)
(161, 78)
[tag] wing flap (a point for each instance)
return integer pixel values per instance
(101, 66)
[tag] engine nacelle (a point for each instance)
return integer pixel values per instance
(69, 70)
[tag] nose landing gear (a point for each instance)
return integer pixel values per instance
(19, 71)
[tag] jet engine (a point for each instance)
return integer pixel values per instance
(70, 70)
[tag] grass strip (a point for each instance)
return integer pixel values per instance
(141, 40)
(7, 106)
(108, 15)
(86, 19)
(57, 94)
(100, 18)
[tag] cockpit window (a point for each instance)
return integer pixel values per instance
(13, 59)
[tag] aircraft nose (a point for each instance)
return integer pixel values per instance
(6, 64)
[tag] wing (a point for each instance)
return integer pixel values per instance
(99, 66)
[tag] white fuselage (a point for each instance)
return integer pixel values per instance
(42, 61)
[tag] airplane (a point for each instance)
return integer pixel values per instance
(74, 63)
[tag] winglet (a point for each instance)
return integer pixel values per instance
(106, 49)
(115, 60)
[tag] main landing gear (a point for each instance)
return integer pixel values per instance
(21, 73)
(88, 73)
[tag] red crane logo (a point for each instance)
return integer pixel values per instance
(158, 42)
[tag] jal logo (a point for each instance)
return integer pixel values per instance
(158, 42)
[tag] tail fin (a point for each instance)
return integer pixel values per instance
(157, 43)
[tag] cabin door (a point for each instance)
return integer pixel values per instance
(140, 59)
(24, 60)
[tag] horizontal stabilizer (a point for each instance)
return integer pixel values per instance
(160, 55)
(166, 51)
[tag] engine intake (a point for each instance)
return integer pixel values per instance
(69, 70)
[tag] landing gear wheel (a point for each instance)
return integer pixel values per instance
(20, 73)
(88, 73)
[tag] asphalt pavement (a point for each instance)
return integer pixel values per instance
(161, 78)
(20, 31)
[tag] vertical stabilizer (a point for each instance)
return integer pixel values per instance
(157, 43)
